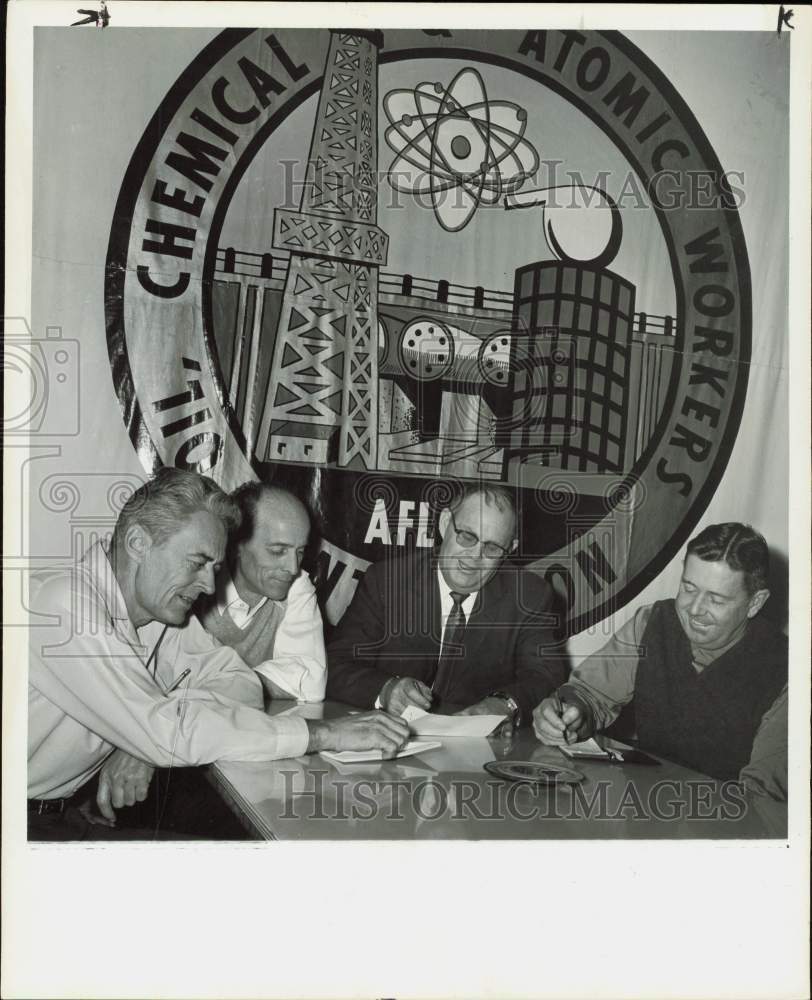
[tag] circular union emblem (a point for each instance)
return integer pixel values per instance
(376, 267)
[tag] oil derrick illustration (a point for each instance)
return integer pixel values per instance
(321, 405)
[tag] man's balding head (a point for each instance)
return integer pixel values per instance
(266, 552)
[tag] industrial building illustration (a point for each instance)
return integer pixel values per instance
(329, 359)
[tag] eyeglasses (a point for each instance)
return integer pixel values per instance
(467, 539)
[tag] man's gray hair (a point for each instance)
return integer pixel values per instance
(164, 504)
(499, 496)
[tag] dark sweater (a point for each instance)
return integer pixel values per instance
(255, 642)
(706, 721)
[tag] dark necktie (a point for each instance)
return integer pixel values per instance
(452, 639)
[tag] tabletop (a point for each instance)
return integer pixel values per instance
(446, 793)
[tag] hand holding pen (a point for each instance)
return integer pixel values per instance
(559, 708)
(556, 721)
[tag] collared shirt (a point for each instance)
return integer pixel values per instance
(231, 602)
(299, 665)
(90, 690)
(447, 602)
(446, 607)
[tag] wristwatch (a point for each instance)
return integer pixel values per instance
(512, 704)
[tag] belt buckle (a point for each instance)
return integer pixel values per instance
(47, 806)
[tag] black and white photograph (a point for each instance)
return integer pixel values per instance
(406, 433)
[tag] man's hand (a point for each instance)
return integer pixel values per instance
(400, 692)
(557, 729)
(123, 781)
(365, 731)
(89, 813)
(492, 706)
(488, 706)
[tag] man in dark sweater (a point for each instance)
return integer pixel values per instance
(706, 676)
(459, 629)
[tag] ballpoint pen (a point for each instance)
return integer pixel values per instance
(559, 707)
(179, 681)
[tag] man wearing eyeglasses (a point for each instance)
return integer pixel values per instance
(456, 630)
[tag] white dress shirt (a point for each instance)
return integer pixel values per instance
(299, 665)
(238, 610)
(89, 689)
(446, 607)
(447, 602)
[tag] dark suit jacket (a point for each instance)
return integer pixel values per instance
(393, 627)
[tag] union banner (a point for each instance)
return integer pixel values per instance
(375, 266)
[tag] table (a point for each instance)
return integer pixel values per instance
(447, 794)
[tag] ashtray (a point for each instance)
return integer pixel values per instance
(534, 772)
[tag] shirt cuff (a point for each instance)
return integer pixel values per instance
(378, 703)
(292, 735)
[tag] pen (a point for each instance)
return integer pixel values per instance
(179, 681)
(559, 707)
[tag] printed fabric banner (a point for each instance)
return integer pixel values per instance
(378, 266)
(377, 254)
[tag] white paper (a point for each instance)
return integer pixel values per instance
(360, 756)
(456, 726)
(412, 712)
(584, 747)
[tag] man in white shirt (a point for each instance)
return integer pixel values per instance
(119, 671)
(265, 606)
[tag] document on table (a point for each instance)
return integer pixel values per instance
(586, 748)
(456, 726)
(412, 767)
(359, 756)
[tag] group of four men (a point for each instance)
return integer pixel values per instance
(160, 649)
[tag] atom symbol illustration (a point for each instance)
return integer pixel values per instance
(457, 146)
